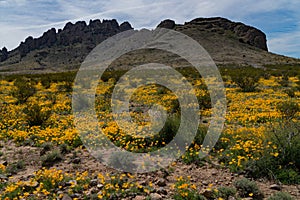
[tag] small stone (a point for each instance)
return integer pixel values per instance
(204, 182)
(143, 182)
(66, 197)
(275, 187)
(94, 182)
(231, 198)
(75, 195)
(76, 160)
(247, 198)
(3, 177)
(207, 193)
(161, 182)
(3, 162)
(161, 190)
(155, 196)
(100, 186)
(139, 197)
(214, 173)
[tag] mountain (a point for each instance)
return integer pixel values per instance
(226, 41)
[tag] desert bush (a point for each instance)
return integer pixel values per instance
(247, 80)
(290, 92)
(288, 109)
(64, 148)
(281, 196)
(121, 161)
(36, 115)
(284, 80)
(226, 192)
(24, 89)
(47, 146)
(15, 167)
(170, 129)
(247, 188)
(284, 164)
(51, 158)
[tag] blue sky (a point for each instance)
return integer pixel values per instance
(279, 19)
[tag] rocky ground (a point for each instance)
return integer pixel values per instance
(209, 174)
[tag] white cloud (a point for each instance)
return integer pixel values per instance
(287, 43)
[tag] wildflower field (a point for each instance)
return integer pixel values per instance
(260, 139)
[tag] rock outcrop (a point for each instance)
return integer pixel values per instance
(168, 23)
(244, 33)
(90, 35)
(3, 54)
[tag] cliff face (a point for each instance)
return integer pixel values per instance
(244, 33)
(89, 35)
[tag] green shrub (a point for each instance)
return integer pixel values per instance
(247, 188)
(64, 148)
(288, 109)
(226, 192)
(246, 80)
(281, 196)
(291, 92)
(121, 161)
(24, 89)
(47, 146)
(36, 115)
(284, 80)
(15, 167)
(285, 165)
(51, 158)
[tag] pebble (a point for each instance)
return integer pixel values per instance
(76, 160)
(161, 182)
(155, 196)
(161, 190)
(207, 193)
(275, 187)
(66, 197)
(93, 182)
(139, 197)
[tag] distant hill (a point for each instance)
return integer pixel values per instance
(226, 41)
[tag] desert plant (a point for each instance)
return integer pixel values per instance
(246, 80)
(288, 109)
(121, 161)
(64, 148)
(281, 196)
(51, 158)
(291, 92)
(47, 146)
(36, 115)
(15, 167)
(284, 80)
(247, 188)
(282, 165)
(226, 192)
(24, 89)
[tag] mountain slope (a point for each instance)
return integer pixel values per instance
(227, 42)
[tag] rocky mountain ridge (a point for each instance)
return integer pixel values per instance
(226, 41)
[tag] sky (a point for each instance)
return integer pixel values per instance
(279, 19)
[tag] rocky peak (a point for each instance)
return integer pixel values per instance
(3, 54)
(168, 23)
(91, 34)
(244, 33)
